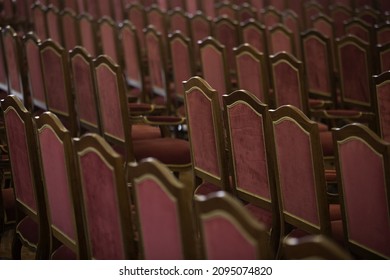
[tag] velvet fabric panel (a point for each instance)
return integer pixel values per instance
(359, 32)
(54, 78)
(383, 36)
(208, 7)
(132, 70)
(70, 32)
(3, 75)
(155, 63)
(177, 22)
(39, 23)
(224, 239)
(84, 91)
(200, 29)
(10, 50)
(181, 65)
(270, 19)
(365, 196)
(250, 75)
(109, 102)
(213, 70)
(105, 8)
(57, 184)
(254, 37)
(53, 28)
(385, 60)
(108, 39)
(20, 161)
(317, 67)
(136, 17)
(354, 74)
(249, 151)
(35, 73)
(339, 17)
(383, 96)
(87, 36)
(280, 42)
(296, 171)
(203, 138)
(158, 217)
(156, 19)
(101, 208)
(93, 8)
(287, 85)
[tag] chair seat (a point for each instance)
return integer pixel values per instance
(140, 131)
(63, 253)
(335, 212)
(327, 143)
(28, 230)
(260, 215)
(169, 151)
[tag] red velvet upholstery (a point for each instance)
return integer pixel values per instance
(57, 184)
(136, 15)
(178, 21)
(253, 33)
(101, 211)
(109, 37)
(69, 29)
(383, 99)
(159, 221)
(53, 24)
(280, 39)
(200, 27)
(39, 18)
(87, 34)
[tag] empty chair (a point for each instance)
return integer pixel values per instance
(70, 29)
(39, 20)
(270, 16)
(313, 247)
(105, 200)
(254, 33)
(206, 136)
(381, 107)
(362, 160)
(136, 15)
(340, 13)
(31, 224)
(177, 19)
(88, 33)
(228, 231)
(280, 39)
(249, 152)
(61, 193)
(200, 28)
(53, 24)
(164, 215)
(108, 31)
(383, 58)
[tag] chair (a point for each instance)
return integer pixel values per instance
(249, 152)
(245, 12)
(13, 55)
(200, 28)
(56, 77)
(270, 16)
(381, 107)
(104, 199)
(177, 19)
(313, 247)
(214, 65)
(252, 74)
(88, 33)
(290, 20)
(182, 4)
(228, 231)
(360, 29)
(84, 91)
(70, 29)
(108, 32)
(34, 73)
(382, 33)
(206, 136)
(339, 13)
(280, 39)
(362, 160)
(208, 7)
(311, 9)
(31, 223)
(136, 15)
(383, 57)
(300, 177)
(39, 20)
(116, 126)
(163, 208)
(59, 182)
(183, 67)
(53, 24)
(254, 33)
(367, 13)
(157, 17)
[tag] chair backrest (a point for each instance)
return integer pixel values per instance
(225, 8)
(288, 81)
(227, 229)
(214, 65)
(59, 181)
(382, 105)
(157, 17)
(383, 57)
(254, 33)
(360, 29)
(355, 70)
(270, 16)
(13, 55)
(70, 30)
(200, 28)
(132, 57)
(280, 39)
(105, 200)
(136, 15)
(108, 30)
(245, 11)
(88, 33)
(208, 7)
(163, 206)
(290, 20)
(318, 64)
(177, 19)
(226, 31)
(340, 13)
(183, 64)
(313, 247)
(53, 24)
(311, 9)
(300, 178)
(252, 72)
(110, 89)
(382, 33)
(368, 13)
(56, 77)
(206, 133)
(39, 20)
(26, 176)
(34, 71)
(83, 85)
(362, 159)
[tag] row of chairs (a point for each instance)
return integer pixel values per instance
(272, 161)
(74, 200)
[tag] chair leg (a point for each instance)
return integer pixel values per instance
(16, 248)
